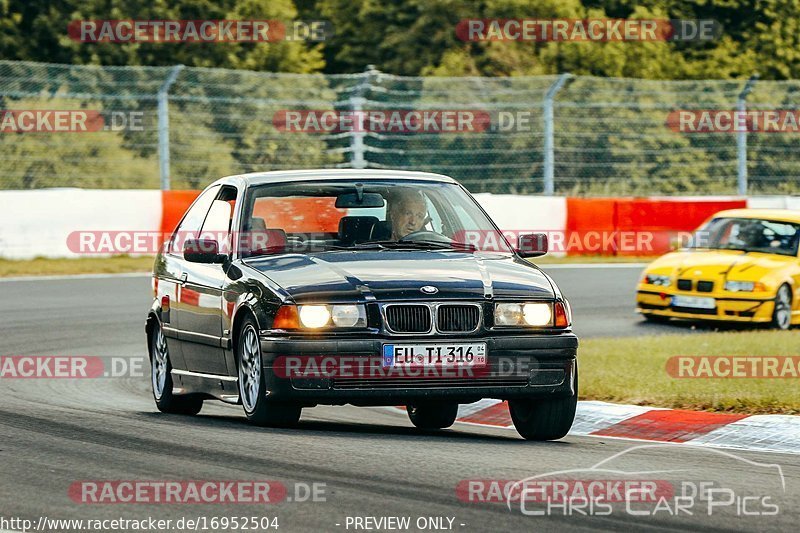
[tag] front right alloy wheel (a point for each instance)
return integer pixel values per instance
(252, 388)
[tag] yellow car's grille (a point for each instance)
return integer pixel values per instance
(702, 285)
(705, 286)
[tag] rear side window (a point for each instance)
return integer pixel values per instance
(193, 220)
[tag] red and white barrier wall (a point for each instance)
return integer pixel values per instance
(37, 223)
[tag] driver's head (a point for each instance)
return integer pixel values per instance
(407, 212)
(751, 234)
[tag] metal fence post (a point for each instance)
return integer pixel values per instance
(357, 159)
(163, 126)
(549, 158)
(741, 136)
(356, 103)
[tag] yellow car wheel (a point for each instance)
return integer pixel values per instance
(782, 315)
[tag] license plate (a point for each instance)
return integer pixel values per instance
(434, 355)
(697, 302)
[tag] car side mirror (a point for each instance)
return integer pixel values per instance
(202, 251)
(532, 244)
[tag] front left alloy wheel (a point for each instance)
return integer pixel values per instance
(782, 314)
(252, 389)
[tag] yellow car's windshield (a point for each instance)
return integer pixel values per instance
(749, 235)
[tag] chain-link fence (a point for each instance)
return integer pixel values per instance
(184, 127)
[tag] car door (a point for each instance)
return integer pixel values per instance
(172, 273)
(200, 310)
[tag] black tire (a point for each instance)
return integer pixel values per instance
(782, 314)
(656, 319)
(548, 419)
(257, 408)
(432, 415)
(162, 385)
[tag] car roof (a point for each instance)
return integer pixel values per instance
(782, 215)
(331, 174)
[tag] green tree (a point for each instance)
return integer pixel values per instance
(38, 28)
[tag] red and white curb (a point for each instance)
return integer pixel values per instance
(773, 433)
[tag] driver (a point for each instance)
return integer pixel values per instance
(752, 235)
(407, 213)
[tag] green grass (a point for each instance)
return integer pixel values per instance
(632, 370)
(85, 265)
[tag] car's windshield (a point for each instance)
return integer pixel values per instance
(318, 216)
(749, 235)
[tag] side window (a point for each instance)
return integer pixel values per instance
(193, 220)
(217, 225)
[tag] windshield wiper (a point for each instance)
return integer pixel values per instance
(407, 245)
(358, 246)
(440, 245)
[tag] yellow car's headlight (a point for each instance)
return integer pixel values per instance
(744, 286)
(657, 279)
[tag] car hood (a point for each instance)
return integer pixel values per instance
(727, 264)
(399, 275)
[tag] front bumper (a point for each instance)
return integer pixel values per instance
(730, 307)
(517, 367)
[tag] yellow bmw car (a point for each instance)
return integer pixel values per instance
(742, 265)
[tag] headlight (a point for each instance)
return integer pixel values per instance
(523, 314)
(346, 316)
(314, 316)
(744, 286)
(339, 315)
(656, 279)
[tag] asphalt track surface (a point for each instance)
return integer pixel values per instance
(372, 462)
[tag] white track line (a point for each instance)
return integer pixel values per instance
(76, 276)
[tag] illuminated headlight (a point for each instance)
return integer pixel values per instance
(523, 314)
(314, 316)
(340, 316)
(655, 279)
(740, 286)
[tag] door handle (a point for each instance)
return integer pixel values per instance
(184, 277)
